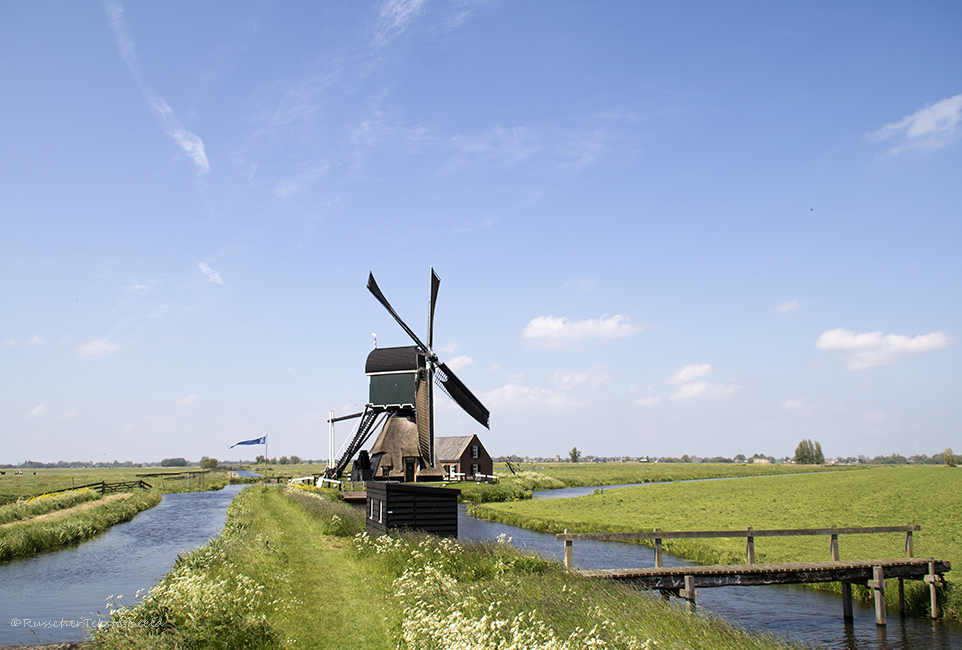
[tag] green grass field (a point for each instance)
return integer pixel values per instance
(288, 571)
(883, 496)
(40, 481)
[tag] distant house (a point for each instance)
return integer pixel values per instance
(463, 455)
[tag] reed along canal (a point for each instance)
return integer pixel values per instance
(63, 591)
(799, 612)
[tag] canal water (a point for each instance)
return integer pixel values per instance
(798, 612)
(57, 596)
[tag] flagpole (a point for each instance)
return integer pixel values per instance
(267, 458)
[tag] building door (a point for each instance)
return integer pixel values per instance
(409, 470)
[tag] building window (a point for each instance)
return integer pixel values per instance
(385, 471)
(475, 470)
(474, 451)
(380, 512)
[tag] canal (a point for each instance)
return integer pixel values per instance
(56, 596)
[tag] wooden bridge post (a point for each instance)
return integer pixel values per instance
(878, 584)
(569, 552)
(750, 546)
(689, 593)
(901, 598)
(833, 544)
(908, 543)
(847, 601)
(658, 554)
(933, 596)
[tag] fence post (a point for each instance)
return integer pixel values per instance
(909, 551)
(750, 546)
(834, 546)
(569, 552)
(658, 556)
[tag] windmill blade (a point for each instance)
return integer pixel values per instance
(457, 391)
(373, 288)
(435, 283)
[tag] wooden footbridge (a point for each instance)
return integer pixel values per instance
(683, 581)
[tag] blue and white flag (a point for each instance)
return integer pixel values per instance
(256, 441)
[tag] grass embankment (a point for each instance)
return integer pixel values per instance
(289, 571)
(927, 496)
(74, 523)
(28, 507)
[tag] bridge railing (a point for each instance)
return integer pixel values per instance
(749, 534)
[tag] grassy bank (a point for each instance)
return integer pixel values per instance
(23, 538)
(289, 571)
(28, 507)
(878, 497)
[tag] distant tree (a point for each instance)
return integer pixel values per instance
(686, 458)
(261, 459)
(174, 462)
(949, 457)
(208, 463)
(740, 458)
(574, 455)
(295, 460)
(809, 453)
(283, 461)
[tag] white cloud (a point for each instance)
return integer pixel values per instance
(931, 127)
(690, 373)
(568, 379)
(516, 396)
(395, 16)
(873, 416)
(871, 349)
(554, 332)
(36, 339)
(585, 285)
(651, 400)
(788, 305)
(211, 274)
(98, 347)
(459, 363)
(797, 406)
(35, 411)
(701, 389)
(190, 143)
(190, 399)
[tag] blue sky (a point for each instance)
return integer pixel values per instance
(661, 228)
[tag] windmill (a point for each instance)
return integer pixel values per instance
(402, 400)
